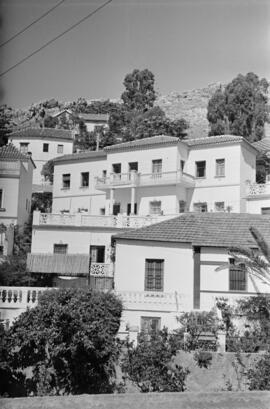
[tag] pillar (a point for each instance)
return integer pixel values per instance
(132, 210)
(111, 201)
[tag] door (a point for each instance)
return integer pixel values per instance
(129, 208)
(97, 254)
(116, 209)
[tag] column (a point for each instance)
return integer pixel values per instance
(111, 201)
(132, 209)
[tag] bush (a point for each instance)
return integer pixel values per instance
(259, 376)
(69, 341)
(149, 365)
(203, 358)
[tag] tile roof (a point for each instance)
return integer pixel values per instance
(42, 133)
(11, 152)
(263, 145)
(80, 155)
(213, 139)
(205, 229)
(94, 117)
(153, 140)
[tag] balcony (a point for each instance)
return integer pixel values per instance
(85, 220)
(131, 179)
(20, 297)
(258, 189)
(67, 264)
(10, 168)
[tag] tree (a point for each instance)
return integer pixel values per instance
(47, 170)
(42, 201)
(50, 122)
(240, 109)
(139, 94)
(69, 341)
(5, 122)
(259, 375)
(150, 364)
(256, 263)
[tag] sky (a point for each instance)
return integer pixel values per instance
(187, 44)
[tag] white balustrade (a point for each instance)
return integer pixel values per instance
(19, 297)
(80, 219)
(254, 189)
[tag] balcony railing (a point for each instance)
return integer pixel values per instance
(20, 297)
(67, 264)
(257, 189)
(81, 219)
(147, 179)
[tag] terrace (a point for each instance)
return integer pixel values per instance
(135, 179)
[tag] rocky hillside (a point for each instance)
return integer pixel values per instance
(190, 105)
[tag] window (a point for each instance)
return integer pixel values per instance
(219, 206)
(153, 275)
(24, 147)
(116, 209)
(116, 167)
(200, 207)
(97, 254)
(45, 147)
(133, 166)
(150, 324)
(60, 248)
(155, 207)
(102, 211)
(1, 250)
(66, 181)
(182, 206)
(60, 148)
(84, 179)
(182, 165)
(220, 167)
(238, 277)
(265, 210)
(1, 198)
(156, 168)
(129, 208)
(200, 169)
(104, 173)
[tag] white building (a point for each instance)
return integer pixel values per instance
(93, 120)
(44, 144)
(16, 173)
(131, 185)
(170, 267)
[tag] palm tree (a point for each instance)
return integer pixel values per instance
(256, 261)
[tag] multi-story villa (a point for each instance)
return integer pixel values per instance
(131, 185)
(16, 173)
(44, 144)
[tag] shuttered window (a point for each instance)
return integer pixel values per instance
(154, 269)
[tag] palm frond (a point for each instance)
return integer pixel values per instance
(263, 245)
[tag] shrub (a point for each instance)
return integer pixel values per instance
(259, 376)
(149, 365)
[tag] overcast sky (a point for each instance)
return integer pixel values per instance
(187, 44)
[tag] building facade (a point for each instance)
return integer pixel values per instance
(44, 144)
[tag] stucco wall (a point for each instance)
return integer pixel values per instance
(255, 205)
(78, 197)
(10, 188)
(40, 158)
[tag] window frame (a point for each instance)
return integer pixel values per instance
(60, 245)
(88, 177)
(63, 181)
(233, 269)
(45, 145)
(147, 272)
(1, 198)
(201, 204)
(145, 319)
(220, 165)
(156, 167)
(198, 169)
(151, 209)
(24, 145)
(99, 250)
(219, 210)
(60, 150)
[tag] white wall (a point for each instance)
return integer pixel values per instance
(78, 197)
(78, 240)
(40, 158)
(10, 187)
(25, 192)
(255, 205)
(248, 172)
(130, 265)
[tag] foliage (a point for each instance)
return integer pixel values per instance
(13, 272)
(252, 313)
(203, 358)
(256, 262)
(47, 170)
(240, 109)
(50, 122)
(149, 365)
(199, 330)
(5, 122)
(42, 201)
(139, 91)
(69, 342)
(259, 376)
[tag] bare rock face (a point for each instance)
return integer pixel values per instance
(190, 105)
